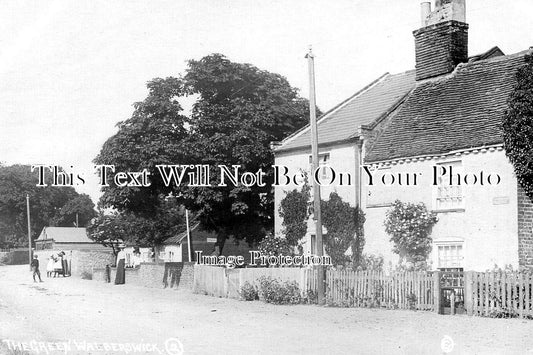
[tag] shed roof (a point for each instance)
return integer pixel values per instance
(179, 238)
(65, 235)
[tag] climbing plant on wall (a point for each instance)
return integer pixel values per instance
(409, 226)
(518, 126)
(344, 224)
(294, 211)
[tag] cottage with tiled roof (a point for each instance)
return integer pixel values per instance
(440, 123)
(340, 138)
(66, 238)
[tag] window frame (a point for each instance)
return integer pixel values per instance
(322, 162)
(436, 206)
(455, 261)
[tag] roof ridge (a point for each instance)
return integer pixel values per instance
(500, 58)
(325, 115)
(461, 67)
(450, 112)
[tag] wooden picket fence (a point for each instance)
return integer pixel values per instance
(499, 294)
(210, 280)
(407, 290)
(489, 294)
(223, 282)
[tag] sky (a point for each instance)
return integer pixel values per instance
(70, 70)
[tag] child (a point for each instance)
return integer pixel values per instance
(50, 267)
(35, 268)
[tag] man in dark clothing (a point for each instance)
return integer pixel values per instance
(35, 268)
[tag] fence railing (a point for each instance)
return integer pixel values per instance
(499, 294)
(223, 282)
(491, 294)
(211, 281)
(409, 290)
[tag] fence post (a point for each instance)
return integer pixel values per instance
(241, 280)
(303, 282)
(468, 293)
(436, 292)
(452, 303)
(226, 283)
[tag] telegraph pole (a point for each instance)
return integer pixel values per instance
(29, 228)
(317, 214)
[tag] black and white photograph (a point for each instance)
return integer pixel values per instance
(266, 177)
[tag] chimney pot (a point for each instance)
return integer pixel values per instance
(425, 11)
(442, 42)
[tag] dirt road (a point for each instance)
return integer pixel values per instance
(96, 318)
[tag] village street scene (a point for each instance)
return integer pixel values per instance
(255, 178)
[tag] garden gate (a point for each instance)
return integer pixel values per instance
(452, 291)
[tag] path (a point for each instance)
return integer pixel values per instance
(64, 309)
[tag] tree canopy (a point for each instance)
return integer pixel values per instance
(114, 228)
(49, 206)
(239, 110)
(518, 127)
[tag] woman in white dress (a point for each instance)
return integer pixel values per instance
(58, 265)
(50, 266)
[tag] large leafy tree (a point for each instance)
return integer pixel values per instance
(77, 211)
(154, 135)
(49, 206)
(518, 127)
(239, 110)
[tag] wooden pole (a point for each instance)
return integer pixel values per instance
(468, 293)
(188, 235)
(436, 292)
(317, 215)
(29, 228)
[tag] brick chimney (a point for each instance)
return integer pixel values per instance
(442, 42)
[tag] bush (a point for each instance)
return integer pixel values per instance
(344, 224)
(248, 292)
(277, 292)
(411, 300)
(409, 226)
(310, 297)
(371, 262)
(294, 211)
(274, 245)
(349, 298)
(503, 313)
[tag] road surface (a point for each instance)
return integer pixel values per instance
(90, 317)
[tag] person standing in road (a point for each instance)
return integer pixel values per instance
(121, 262)
(35, 268)
(50, 266)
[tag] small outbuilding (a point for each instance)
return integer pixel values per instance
(66, 238)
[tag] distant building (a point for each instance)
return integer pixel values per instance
(66, 238)
(176, 249)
